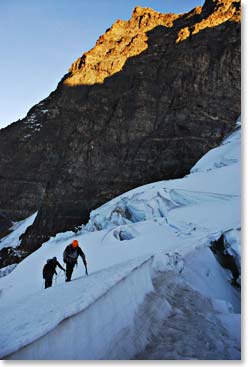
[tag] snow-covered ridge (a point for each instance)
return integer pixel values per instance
(12, 240)
(81, 295)
(226, 154)
(148, 205)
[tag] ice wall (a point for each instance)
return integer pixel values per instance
(102, 330)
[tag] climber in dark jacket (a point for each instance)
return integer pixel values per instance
(70, 255)
(49, 270)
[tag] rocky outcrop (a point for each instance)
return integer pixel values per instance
(5, 224)
(154, 95)
(123, 40)
(11, 256)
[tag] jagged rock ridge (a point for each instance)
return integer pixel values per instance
(139, 107)
(123, 40)
(126, 39)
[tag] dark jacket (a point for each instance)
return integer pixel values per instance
(71, 254)
(50, 268)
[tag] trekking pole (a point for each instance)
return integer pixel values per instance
(86, 270)
(58, 276)
(61, 273)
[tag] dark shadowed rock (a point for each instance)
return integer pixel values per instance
(154, 95)
(5, 224)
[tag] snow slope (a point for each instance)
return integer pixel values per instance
(12, 240)
(91, 301)
(173, 220)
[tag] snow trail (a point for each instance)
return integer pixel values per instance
(193, 329)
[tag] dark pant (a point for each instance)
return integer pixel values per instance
(69, 270)
(48, 282)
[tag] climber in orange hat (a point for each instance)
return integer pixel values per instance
(70, 256)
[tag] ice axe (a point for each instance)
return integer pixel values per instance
(86, 270)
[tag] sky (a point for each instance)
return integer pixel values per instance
(40, 39)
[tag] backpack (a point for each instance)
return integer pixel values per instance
(47, 269)
(70, 255)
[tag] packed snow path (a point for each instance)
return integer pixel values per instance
(136, 306)
(193, 330)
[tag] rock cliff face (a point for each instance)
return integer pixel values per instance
(154, 95)
(5, 224)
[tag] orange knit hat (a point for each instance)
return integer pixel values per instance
(75, 243)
